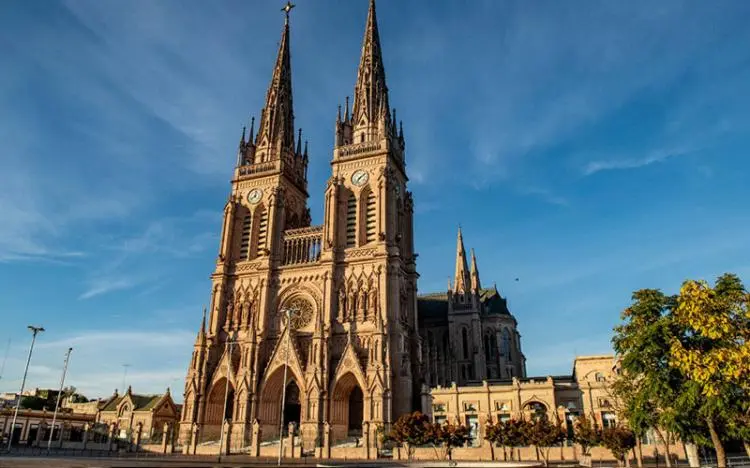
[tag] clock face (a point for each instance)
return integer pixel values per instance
(254, 196)
(360, 178)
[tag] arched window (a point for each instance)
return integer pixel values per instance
(371, 210)
(262, 229)
(351, 221)
(506, 343)
(465, 342)
(245, 237)
(599, 377)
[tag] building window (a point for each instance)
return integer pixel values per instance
(440, 420)
(351, 221)
(600, 377)
(371, 215)
(245, 238)
(438, 407)
(470, 406)
(506, 343)
(503, 417)
(608, 419)
(465, 342)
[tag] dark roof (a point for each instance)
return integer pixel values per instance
(435, 305)
(140, 402)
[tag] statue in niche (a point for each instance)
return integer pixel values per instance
(361, 305)
(342, 304)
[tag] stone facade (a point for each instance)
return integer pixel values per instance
(584, 392)
(351, 351)
(139, 418)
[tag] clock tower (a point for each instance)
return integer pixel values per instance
(349, 360)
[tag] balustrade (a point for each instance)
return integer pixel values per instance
(302, 245)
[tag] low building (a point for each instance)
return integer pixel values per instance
(584, 392)
(133, 413)
(32, 426)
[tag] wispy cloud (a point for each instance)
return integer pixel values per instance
(632, 163)
(106, 285)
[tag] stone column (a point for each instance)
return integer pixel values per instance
(164, 437)
(325, 449)
(194, 434)
(62, 435)
(111, 436)
(137, 441)
(368, 440)
(255, 441)
(86, 430)
(226, 428)
(290, 441)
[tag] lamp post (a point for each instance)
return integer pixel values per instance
(229, 346)
(283, 388)
(57, 403)
(34, 331)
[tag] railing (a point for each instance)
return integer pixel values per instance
(302, 245)
(258, 168)
(359, 148)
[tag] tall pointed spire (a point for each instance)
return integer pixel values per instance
(461, 281)
(371, 114)
(475, 284)
(276, 130)
(201, 338)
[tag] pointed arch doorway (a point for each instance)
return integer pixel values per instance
(292, 406)
(356, 412)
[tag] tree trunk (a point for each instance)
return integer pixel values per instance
(721, 456)
(667, 457)
(639, 452)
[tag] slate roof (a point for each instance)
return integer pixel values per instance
(140, 402)
(435, 305)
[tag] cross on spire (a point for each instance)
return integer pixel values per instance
(287, 9)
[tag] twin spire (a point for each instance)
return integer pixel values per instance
(465, 280)
(371, 116)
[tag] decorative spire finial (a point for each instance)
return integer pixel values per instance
(299, 142)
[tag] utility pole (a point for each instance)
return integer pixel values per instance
(34, 331)
(57, 403)
(283, 388)
(229, 345)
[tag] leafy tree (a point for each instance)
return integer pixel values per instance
(619, 440)
(714, 351)
(33, 402)
(586, 434)
(447, 436)
(543, 434)
(648, 387)
(411, 429)
(516, 432)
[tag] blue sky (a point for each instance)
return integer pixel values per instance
(587, 150)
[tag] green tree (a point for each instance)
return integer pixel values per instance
(412, 430)
(619, 440)
(33, 402)
(648, 387)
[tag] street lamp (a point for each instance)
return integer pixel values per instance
(283, 388)
(57, 403)
(34, 331)
(229, 345)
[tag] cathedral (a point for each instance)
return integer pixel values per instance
(321, 325)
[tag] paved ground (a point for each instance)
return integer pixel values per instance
(7, 461)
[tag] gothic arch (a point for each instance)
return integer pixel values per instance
(269, 410)
(347, 411)
(215, 402)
